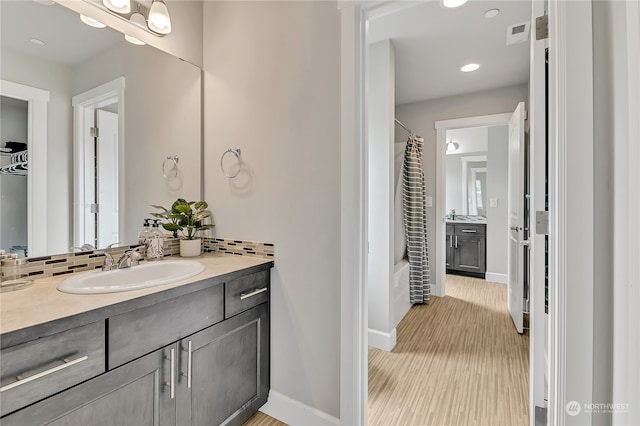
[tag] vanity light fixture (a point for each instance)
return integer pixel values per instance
(452, 146)
(37, 42)
(159, 20)
(469, 67)
(453, 3)
(154, 19)
(118, 6)
(136, 19)
(91, 22)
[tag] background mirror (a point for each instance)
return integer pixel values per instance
(158, 117)
(476, 172)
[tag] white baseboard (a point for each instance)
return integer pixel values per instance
(380, 340)
(496, 278)
(293, 412)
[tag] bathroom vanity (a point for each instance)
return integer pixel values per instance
(466, 248)
(191, 353)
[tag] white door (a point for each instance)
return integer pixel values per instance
(516, 216)
(107, 173)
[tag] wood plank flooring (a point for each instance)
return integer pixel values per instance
(458, 361)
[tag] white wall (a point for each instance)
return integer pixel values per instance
(272, 88)
(13, 188)
(381, 88)
(162, 118)
(421, 118)
(30, 71)
(497, 187)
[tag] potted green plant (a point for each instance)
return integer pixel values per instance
(187, 218)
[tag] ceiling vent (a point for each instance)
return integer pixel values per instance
(518, 33)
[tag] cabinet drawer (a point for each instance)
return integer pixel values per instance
(144, 330)
(34, 370)
(246, 292)
(462, 229)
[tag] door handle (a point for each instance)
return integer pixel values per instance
(456, 241)
(252, 293)
(514, 228)
(451, 241)
(469, 231)
(172, 379)
(188, 375)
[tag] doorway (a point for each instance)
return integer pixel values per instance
(98, 163)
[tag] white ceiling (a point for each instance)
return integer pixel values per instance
(68, 40)
(432, 42)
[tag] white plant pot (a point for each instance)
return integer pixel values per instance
(190, 248)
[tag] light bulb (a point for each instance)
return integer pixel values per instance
(134, 40)
(469, 67)
(159, 20)
(453, 3)
(91, 22)
(118, 6)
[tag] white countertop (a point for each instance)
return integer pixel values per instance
(42, 302)
(468, 221)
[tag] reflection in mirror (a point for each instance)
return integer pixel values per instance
(97, 189)
(476, 162)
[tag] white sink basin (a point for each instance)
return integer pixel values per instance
(142, 276)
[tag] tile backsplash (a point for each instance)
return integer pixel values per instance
(61, 264)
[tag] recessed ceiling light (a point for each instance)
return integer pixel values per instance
(91, 22)
(37, 41)
(453, 3)
(469, 67)
(491, 13)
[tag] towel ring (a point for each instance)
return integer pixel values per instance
(235, 152)
(172, 174)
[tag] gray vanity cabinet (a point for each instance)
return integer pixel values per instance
(466, 249)
(229, 371)
(213, 368)
(134, 394)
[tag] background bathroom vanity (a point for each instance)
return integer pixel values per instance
(466, 248)
(194, 354)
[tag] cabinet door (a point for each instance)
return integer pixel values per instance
(470, 253)
(134, 394)
(229, 370)
(450, 246)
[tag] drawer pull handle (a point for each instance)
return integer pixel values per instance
(22, 381)
(253, 293)
(188, 375)
(469, 231)
(172, 379)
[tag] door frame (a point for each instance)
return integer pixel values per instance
(442, 126)
(83, 105)
(37, 99)
(571, 105)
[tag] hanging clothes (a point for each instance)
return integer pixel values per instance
(415, 221)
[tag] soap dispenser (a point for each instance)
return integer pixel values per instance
(143, 236)
(155, 245)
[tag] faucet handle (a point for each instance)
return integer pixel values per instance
(135, 256)
(108, 261)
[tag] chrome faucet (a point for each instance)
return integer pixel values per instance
(108, 262)
(129, 258)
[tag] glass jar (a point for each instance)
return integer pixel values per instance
(13, 274)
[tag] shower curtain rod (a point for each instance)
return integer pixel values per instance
(411, 133)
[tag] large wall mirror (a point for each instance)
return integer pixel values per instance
(80, 186)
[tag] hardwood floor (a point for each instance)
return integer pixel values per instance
(458, 361)
(261, 419)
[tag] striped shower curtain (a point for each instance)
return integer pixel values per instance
(415, 221)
